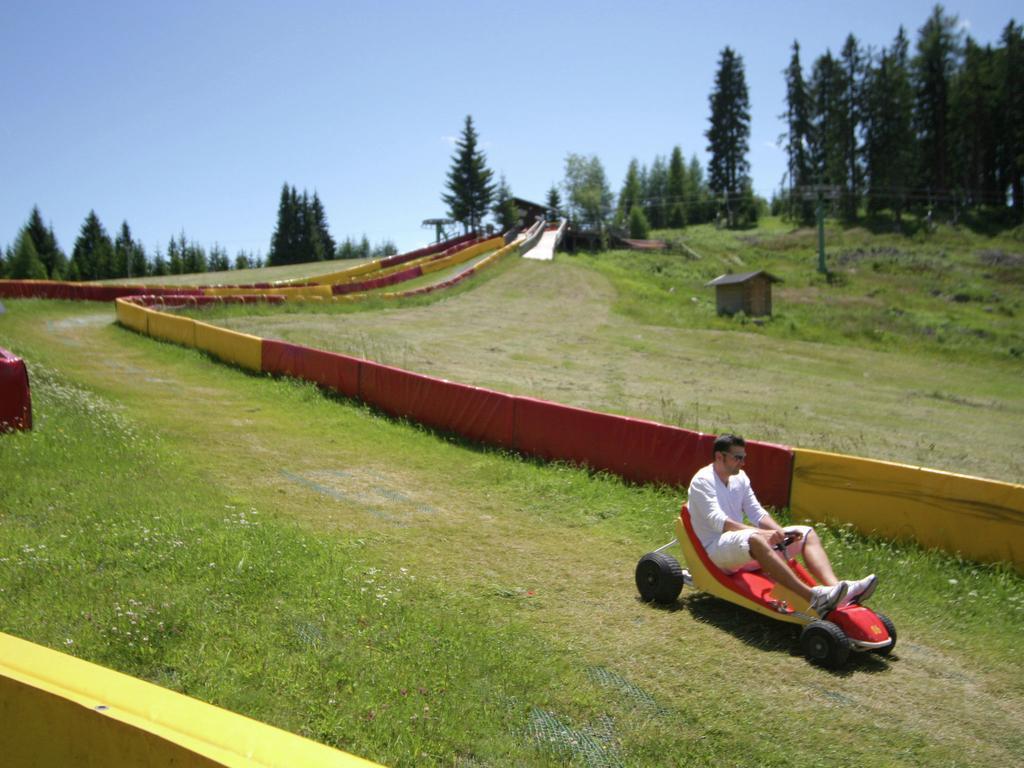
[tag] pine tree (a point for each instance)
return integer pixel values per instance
(827, 122)
(129, 255)
(849, 111)
(139, 262)
(631, 195)
(656, 193)
(798, 128)
(677, 190)
(554, 204)
(25, 263)
(470, 183)
(160, 266)
(93, 255)
(193, 257)
(506, 214)
(974, 127)
(1010, 152)
(320, 223)
(45, 241)
(938, 54)
(218, 259)
(729, 133)
(311, 246)
(639, 227)
(889, 136)
(284, 233)
(697, 209)
(175, 263)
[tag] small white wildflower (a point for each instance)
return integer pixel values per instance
(953, 581)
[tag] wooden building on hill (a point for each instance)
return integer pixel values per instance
(529, 211)
(748, 292)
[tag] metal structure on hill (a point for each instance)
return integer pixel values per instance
(439, 225)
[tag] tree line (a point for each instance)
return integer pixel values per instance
(937, 129)
(301, 236)
(35, 255)
(941, 129)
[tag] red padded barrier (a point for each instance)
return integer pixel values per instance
(328, 369)
(770, 468)
(377, 282)
(401, 258)
(15, 398)
(641, 451)
(475, 413)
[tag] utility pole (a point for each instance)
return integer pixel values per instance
(820, 213)
(820, 193)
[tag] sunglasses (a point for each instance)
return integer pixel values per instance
(737, 456)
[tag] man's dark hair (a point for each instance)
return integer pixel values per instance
(725, 442)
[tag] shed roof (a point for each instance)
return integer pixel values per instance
(742, 277)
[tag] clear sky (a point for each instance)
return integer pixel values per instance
(191, 115)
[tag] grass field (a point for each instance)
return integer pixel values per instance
(911, 352)
(415, 600)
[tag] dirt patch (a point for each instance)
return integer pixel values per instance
(813, 294)
(996, 258)
(853, 256)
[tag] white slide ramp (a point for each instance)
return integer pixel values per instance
(544, 250)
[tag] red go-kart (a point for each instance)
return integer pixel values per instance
(826, 640)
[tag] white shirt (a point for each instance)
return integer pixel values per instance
(712, 502)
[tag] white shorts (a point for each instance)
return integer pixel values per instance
(731, 550)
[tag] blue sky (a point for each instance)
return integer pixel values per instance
(190, 115)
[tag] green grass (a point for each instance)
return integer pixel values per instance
(416, 600)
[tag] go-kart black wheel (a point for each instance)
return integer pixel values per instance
(825, 643)
(659, 578)
(891, 629)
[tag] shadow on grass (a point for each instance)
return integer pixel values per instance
(763, 633)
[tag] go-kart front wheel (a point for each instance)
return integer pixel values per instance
(825, 643)
(659, 578)
(891, 629)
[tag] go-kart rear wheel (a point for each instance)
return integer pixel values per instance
(659, 578)
(891, 629)
(825, 643)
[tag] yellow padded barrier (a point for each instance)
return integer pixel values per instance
(341, 275)
(231, 346)
(982, 519)
(132, 315)
(57, 711)
(306, 290)
(464, 255)
(180, 330)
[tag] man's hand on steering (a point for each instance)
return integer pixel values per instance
(773, 536)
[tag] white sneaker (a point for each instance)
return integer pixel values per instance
(860, 591)
(825, 599)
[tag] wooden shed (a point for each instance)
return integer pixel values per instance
(749, 292)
